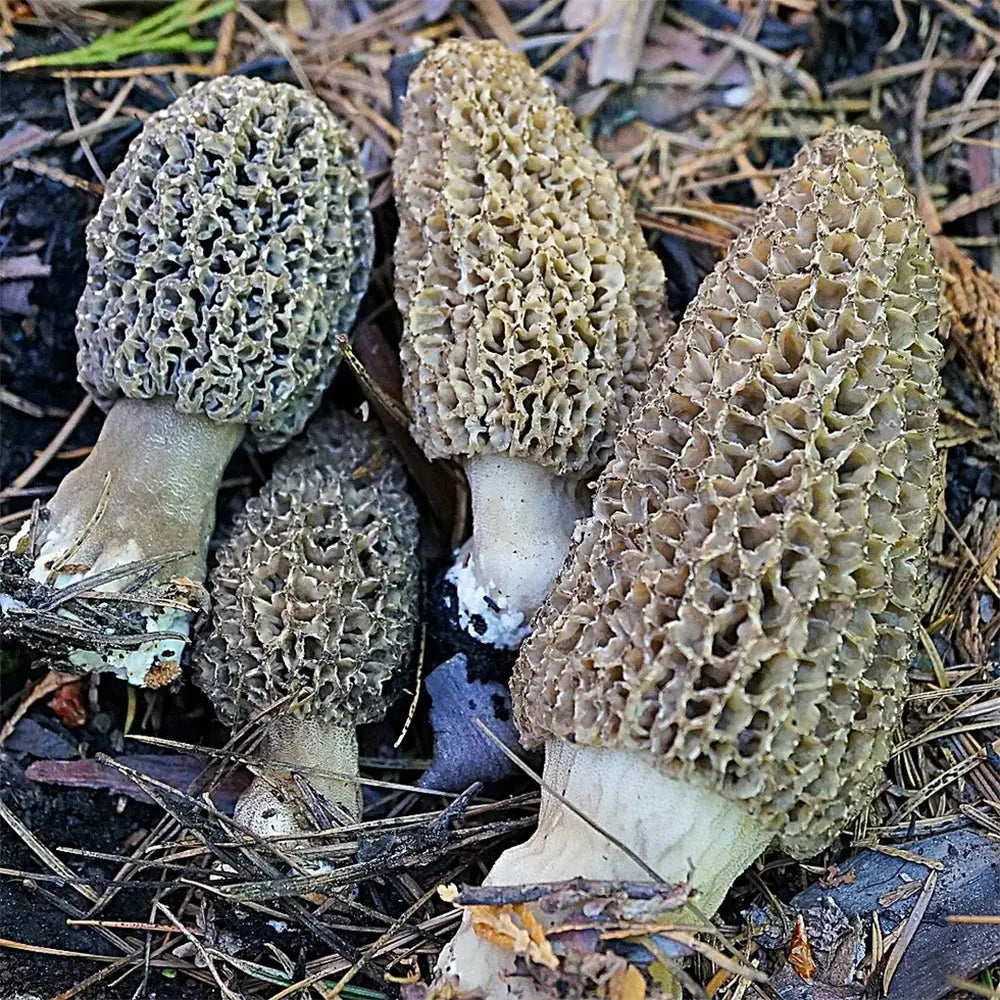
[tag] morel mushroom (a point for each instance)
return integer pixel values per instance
(314, 607)
(230, 251)
(723, 659)
(532, 311)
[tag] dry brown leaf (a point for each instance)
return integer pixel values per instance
(833, 877)
(619, 40)
(799, 953)
(49, 684)
(516, 929)
(627, 984)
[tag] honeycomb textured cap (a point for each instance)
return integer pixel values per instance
(532, 306)
(230, 250)
(315, 595)
(742, 604)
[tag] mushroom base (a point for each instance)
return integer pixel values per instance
(522, 521)
(274, 805)
(680, 831)
(146, 490)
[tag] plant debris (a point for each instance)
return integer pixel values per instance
(699, 105)
(462, 752)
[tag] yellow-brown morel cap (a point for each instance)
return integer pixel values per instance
(743, 604)
(532, 306)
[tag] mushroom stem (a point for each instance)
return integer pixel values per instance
(272, 806)
(523, 517)
(679, 830)
(147, 489)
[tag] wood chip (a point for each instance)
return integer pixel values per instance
(619, 42)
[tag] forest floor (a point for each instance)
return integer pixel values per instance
(699, 104)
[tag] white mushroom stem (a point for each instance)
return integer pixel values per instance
(523, 517)
(147, 489)
(677, 829)
(325, 756)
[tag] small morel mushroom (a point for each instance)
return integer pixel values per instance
(532, 310)
(314, 607)
(723, 658)
(230, 251)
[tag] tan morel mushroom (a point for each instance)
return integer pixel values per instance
(532, 311)
(314, 607)
(723, 659)
(230, 251)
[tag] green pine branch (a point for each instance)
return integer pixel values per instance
(167, 31)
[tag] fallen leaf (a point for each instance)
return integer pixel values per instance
(799, 953)
(618, 42)
(516, 929)
(50, 683)
(69, 703)
(835, 877)
(669, 45)
(627, 984)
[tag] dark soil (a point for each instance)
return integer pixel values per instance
(71, 819)
(38, 352)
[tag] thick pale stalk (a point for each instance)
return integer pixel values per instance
(523, 517)
(273, 806)
(678, 830)
(147, 489)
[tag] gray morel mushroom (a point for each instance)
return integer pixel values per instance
(723, 659)
(532, 310)
(230, 251)
(314, 608)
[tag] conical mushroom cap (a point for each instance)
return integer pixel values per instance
(315, 594)
(532, 307)
(743, 604)
(230, 251)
